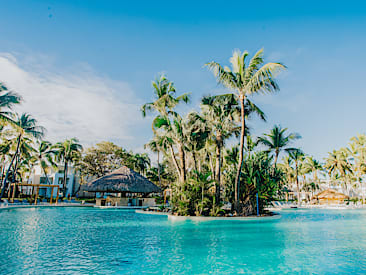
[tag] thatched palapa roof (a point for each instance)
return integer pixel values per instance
(331, 195)
(123, 179)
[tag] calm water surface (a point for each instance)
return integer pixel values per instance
(95, 241)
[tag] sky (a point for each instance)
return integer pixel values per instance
(84, 68)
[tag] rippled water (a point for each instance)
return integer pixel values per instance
(93, 241)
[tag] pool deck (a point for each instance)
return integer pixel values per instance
(67, 204)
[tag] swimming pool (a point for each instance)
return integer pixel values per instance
(93, 241)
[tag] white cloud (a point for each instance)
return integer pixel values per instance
(77, 103)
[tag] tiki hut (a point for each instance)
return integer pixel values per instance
(124, 186)
(329, 197)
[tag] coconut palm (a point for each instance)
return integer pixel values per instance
(68, 152)
(176, 131)
(297, 156)
(141, 162)
(246, 79)
(337, 163)
(25, 126)
(164, 92)
(45, 154)
(7, 100)
(155, 146)
(287, 168)
(220, 114)
(313, 166)
(357, 149)
(277, 140)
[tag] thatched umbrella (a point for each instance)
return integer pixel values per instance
(329, 196)
(122, 180)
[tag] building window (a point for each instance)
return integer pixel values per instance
(43, 180)
(61, 181)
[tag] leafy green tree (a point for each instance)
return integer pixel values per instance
(24, 126)
(246, 79)
(262, 178)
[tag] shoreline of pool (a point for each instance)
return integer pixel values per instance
(204, 218)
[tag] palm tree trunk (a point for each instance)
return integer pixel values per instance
(64, 184)
(297, 185)
(159, 168)
(218, 170)
(182, 163)
(10, 165)
(47, 178)
(194, 160)
(241, 153)
(174, 160)
(276, 157)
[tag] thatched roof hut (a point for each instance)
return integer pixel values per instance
(329, 196)
(122, 180)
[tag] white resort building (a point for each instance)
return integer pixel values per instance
(55, 177)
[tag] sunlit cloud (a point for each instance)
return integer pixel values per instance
(78, 103)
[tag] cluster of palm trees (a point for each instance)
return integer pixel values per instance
(347, 166)
(194, 145)
(344, 168)
(22, 146)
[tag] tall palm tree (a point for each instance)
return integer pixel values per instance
(277, 140)
(297, 156)
(220, 114)
(25, 126)
(246, 79)
(176, 130)
(68, 152)
(165, 102)
(197, 134)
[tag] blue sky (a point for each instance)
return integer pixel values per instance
(102, 55)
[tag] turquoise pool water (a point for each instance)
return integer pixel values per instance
(95, 241)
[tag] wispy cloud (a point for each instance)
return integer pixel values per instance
(78, 103)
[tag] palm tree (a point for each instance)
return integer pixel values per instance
(220, 114)
(287, 168)
(176, 130)
(357, 149)
(45, 154)
(155, 146)
(277, 140)
(141, 162)
(196, 134)
(164, 92)
(7, 100)
(246, 80)
(297, 156)
(311, 165)
(68, 152)
(337, 162)
(165, 102)
(25, 126)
